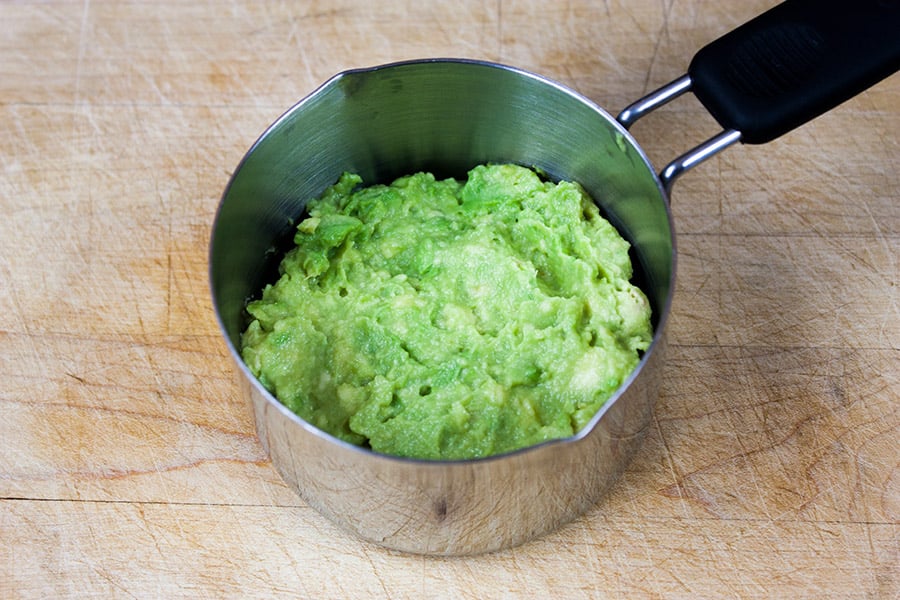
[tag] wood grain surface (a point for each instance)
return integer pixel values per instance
(128, 462)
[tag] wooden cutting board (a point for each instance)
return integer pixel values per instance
(128, 462)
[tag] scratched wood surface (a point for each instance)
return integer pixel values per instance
(128, 462)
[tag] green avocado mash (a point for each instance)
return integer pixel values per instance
(447, 319)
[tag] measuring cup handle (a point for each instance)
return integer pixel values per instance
(794, 62)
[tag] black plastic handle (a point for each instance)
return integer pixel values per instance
(794, 62)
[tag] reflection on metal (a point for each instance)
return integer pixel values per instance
(654, 100)
(694, 157)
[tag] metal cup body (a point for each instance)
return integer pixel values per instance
(443, 116)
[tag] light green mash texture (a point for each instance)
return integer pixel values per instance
(447, 319)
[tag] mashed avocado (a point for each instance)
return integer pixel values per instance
(447, 319)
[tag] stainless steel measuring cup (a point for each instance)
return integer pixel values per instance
(442, 115)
